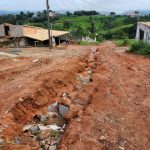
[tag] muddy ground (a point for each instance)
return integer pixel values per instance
(109, 98)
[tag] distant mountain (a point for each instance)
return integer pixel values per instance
(145, 12)
(5, 12)
(142, 12)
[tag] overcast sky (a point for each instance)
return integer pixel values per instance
(101, 5)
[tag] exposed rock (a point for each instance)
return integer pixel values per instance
(43, 135)
(17, 140)
(53, 147)
(2, 141)
(48, 127)
(53, 107)
(63, 110)
(35, 60)
(46, 147)
(44, 119)
(52, 114)
(121, 147)
(84, 80)
(35, 129)
(27, 127)
(90, 72)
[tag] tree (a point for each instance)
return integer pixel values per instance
(86, 13)
(112, 13)
(29, 14)
(66, 24)
(68, 13)
(92, 28)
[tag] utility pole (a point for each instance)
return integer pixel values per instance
(48, 22)
(138, 16)
(138, 19)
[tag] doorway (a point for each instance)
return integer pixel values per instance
(57, 40)
(141, 35)
(7, 30)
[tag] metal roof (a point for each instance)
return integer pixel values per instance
(41, 34)
(145, 23)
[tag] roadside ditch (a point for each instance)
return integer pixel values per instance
(41, 121)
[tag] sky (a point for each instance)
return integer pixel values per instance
(71, 5)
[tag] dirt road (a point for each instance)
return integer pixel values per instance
(109, 111)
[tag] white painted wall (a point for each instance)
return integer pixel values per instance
(146, 30)
(2, 31)
(15, 30)
(88, 39)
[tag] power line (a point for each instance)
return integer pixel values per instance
(66, 5)
(76, 4)
(57, 4)
(98, 6)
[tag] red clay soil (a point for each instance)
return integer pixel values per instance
(118, 113)
(111, 112)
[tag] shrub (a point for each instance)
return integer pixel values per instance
(89, 43)
(141, 48)
(124, 42)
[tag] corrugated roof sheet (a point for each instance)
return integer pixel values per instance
(41, 34)
(145, 23)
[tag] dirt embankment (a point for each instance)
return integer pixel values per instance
(29, 87)
(108, 98)
(118, 114)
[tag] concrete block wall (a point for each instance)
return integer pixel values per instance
(16, 30)
(2, 31)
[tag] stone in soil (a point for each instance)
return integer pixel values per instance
(2, 141)
(53, 147)
(35, 129)
(53, 107)
(63, 110)
(43, 135)
(48, 127)
(84, 79)
(27, 127)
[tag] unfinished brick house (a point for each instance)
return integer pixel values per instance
(143, 31)
(30, 36)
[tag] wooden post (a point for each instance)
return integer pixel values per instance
(48, 22)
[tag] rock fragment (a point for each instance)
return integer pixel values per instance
(27, 127)
(48, 127)
(2, 141)
(53, 107)
(35, 129)
(63, 110)
(53, 147)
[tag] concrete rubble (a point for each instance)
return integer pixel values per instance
(48, 134)
(1, 141)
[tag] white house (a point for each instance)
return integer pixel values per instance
(143, 31)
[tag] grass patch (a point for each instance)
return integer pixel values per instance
(124, 42)
(140, 48)
(89, 43)
(136, 47)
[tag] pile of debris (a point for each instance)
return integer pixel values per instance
(48, 129)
